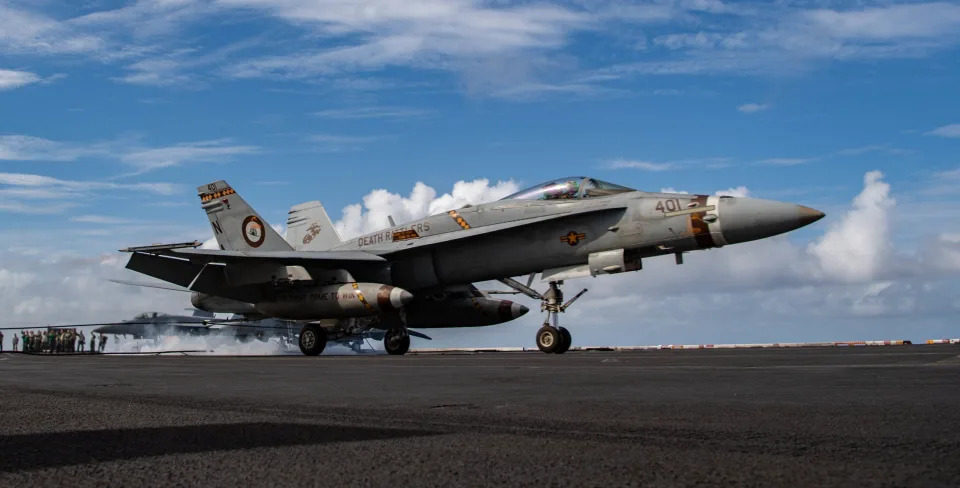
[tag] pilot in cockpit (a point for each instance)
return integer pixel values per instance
(560, 191)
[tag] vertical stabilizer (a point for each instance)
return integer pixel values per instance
(236, 225)
(309, 228)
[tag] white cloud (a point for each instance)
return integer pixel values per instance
(29, 148)
(740, 191)
(857, 247)
(944, 251)
(102, 219)
(749, 108)
(952, 130)
(341, 142)
(422, 201)
(777, 38)
(20, 207)
(48, 182)
(786, 161)
(16, 147)
(953, 174)
(399, 33)
(491, 45)
(186, 152)
(642, 165)
(66, 290)
(23, 32)
(373, 112)
(888, 22)
(159, 71)
(10, 79)
(21, 192)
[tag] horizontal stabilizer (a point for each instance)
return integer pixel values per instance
(178, 271)
(162, 247)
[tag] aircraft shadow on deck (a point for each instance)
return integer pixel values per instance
(24, 452)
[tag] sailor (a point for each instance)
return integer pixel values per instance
(81, 342)
(1, 341)
(16, 338)
(103, 342)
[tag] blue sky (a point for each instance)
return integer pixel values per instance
(114, 111)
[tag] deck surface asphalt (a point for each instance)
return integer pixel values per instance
(859, 416)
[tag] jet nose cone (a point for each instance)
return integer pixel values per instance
(748, 219)
(400, 297)
(517, 310)
(809, 215)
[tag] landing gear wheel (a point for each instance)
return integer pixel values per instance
(312, 340)
(396, 342)
(565, 341)
(548, 339)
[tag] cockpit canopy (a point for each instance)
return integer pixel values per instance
(572, 188)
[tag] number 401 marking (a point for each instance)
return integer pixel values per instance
(668, 205)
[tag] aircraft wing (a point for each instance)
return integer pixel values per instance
(316, 259)
(312, 259)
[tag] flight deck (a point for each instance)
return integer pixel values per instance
(785, 417)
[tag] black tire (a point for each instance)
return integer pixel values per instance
(396, 342)
(548, 339)
(565, 341)
(313, 340)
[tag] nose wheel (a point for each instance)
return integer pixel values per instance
(554, 340)
(551, 338)
(396, 342)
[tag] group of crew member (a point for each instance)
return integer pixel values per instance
(54, 341)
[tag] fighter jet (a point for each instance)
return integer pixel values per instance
(420, 274)
(153, 325)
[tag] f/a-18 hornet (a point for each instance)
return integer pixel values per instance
(420, 274)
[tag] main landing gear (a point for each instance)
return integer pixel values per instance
(551, 338)
(313, 339)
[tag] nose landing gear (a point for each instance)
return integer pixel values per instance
(396, 341)
(551, 338)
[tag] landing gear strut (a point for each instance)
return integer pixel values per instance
(396, 341)
(313, 339)
(551, 338)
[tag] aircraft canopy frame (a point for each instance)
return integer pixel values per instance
(571, 188)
